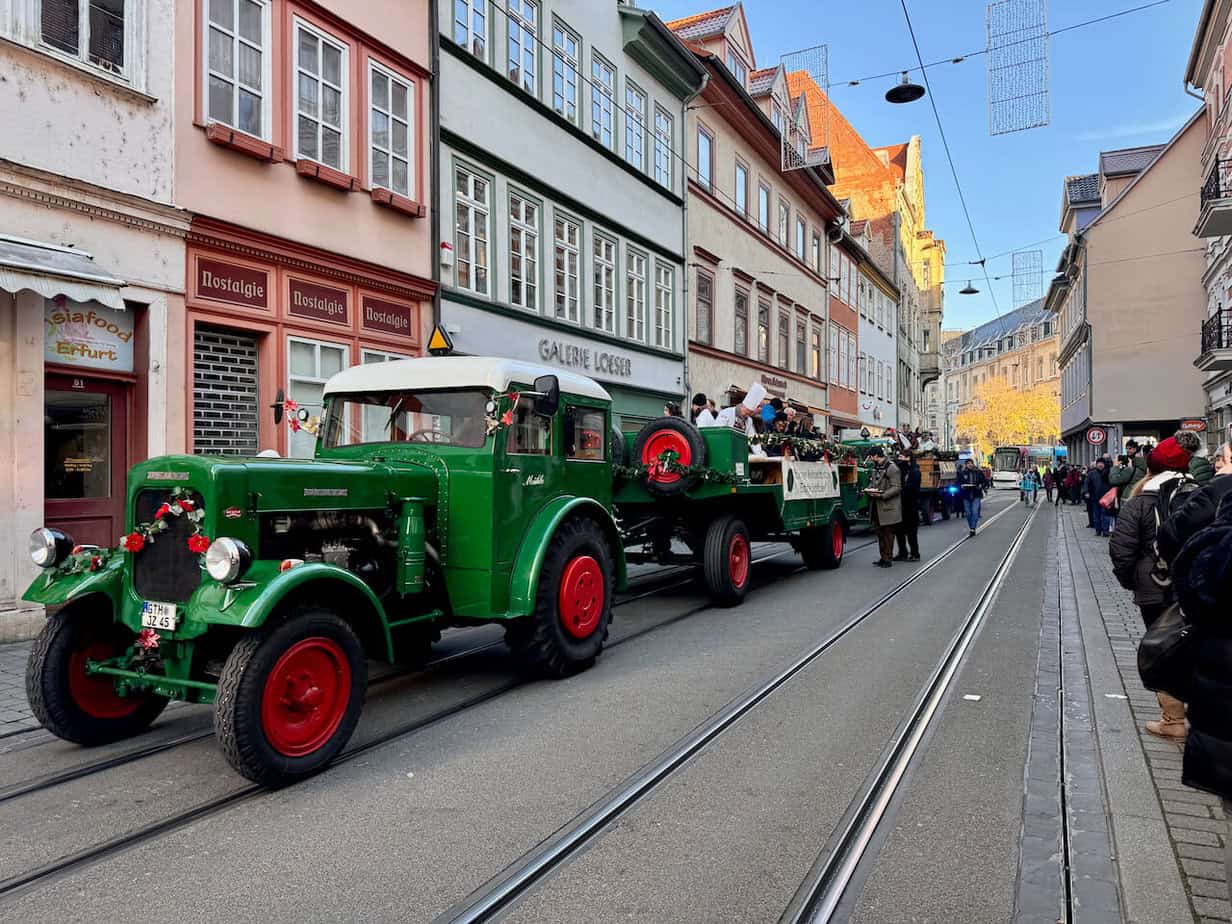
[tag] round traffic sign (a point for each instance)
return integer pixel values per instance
(1096, 436)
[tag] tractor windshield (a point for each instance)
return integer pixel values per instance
(443, 418)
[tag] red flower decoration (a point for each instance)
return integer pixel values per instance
(294, 422)
(162, 511)
(185, 504)
(198, 543)
(147, 639)
(507, 418)
(133, 542)
(95, 563)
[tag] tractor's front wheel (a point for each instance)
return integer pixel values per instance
(727, 560)
(290, 696)
(76, 706)
(573, 606)
(822, 547)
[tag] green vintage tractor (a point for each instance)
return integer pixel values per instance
(445, 491)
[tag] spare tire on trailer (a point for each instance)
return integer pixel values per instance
(669, 434)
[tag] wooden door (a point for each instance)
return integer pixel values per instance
(85, 452)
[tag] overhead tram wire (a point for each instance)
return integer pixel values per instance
(962, 199)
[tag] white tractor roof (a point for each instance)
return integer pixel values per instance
(443, 372)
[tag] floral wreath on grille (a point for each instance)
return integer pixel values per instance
(179, 503)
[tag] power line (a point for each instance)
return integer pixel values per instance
(959, 59)
(932, 99)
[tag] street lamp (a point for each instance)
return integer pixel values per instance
(904, 91)
(968, 289)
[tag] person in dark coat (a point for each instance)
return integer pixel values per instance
(909, 528)
(1203, 578)
(884, 492)
(1095, 487)
(1198, 510)
(1132, 550)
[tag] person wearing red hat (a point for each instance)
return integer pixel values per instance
(1134, 562)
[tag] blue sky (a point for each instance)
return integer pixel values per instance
(1115, 84)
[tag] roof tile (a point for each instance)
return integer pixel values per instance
(1128, 160)
(1082, 189)
(703, 25)
(761, 81)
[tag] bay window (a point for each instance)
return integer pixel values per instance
(390, 117)
(320, 97)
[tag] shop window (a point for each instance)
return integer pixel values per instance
(320, 97)
(89, 30)
(310, 364)
(77, 445)
(565, 56)
(604, 274)
(523, 45)
(390, 116)
(568, 269)
(585, 434)
(523, 252)
(635, 295)
(472, 211)
(529, 434)
(602, 101)
(470, 26)
(237, 68)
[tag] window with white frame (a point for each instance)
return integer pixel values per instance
(742, 189)
(470, 26)
(815, 255)
(635, 125)
(851, 360)
(310, 364)
(763, 331)
(843, 378)
(738, 68)
(705, 157)
(602, 101)
(705, 307)
(604, 272)
(565, 57)
(863, 374)
(832, 355)
(320, 97)
(815, 355)
(523, 50)
(801, 234)
(89, 30)
(740, 343)
(784, 222)
(237, 67)
(776, 116)
(635, 295)
(665, 299)
(663, 142)
(784, 340)
(801, 345)
(763, 207)
(472, 212)
(392, 109)
(523, 252)
(568, 268)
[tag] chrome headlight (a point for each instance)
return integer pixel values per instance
(226, 560)
(49, 547)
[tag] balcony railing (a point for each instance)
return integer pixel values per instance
(1216, 353)
(1218, 183)
(1215, 214)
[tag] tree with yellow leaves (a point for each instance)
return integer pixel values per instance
(1001, 415)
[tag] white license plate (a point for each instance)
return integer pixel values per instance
(158, 615)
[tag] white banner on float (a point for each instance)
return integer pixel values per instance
(809, 480)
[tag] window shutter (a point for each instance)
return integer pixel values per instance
(60, 25)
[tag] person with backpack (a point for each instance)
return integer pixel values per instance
(1196, 510)
(1136, 561)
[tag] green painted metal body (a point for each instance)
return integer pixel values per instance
(484, 517)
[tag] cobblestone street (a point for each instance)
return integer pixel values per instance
(14, 708)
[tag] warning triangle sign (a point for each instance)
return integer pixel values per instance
(439, 343)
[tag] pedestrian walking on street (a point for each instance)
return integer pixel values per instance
(972, 482)
(1134, 562)
(909, 528)
(885, 490)
(1049, 475)
(1073, 481)
(1095, 487)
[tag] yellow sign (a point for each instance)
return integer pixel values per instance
(439, 343)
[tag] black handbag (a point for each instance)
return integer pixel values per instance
(1166, 654)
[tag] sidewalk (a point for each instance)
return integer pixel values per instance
(1193, 821)
(14, 708)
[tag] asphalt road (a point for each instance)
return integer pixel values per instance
(411, 827)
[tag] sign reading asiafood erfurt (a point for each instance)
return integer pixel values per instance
(87, 335)
(809, 480)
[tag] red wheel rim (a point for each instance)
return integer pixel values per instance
(738, 560)
(95, 694)
(306, 695)
(581, 596)
(837, 539)
(662, 441)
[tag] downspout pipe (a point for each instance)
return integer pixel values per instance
(434, 116)
(686, 386)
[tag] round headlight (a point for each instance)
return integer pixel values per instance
(227, 559)
(49, 547)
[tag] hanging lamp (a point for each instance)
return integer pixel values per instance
(904, 91)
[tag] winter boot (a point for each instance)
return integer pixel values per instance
(1172, 720)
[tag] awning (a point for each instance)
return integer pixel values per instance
(52, 270)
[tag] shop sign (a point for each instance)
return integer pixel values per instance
(585, 358)
(1197, 425)
(227, 282)
(387, 317)
(321, 303)
(775, 384)
(87, 335)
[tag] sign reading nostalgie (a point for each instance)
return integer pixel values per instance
(318, 302)
(229, 282)
(87, 335)
(809, 480)
(387, 317)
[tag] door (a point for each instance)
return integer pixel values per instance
(85, 458)
(528, 476)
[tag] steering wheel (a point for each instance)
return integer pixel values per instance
(435, 436)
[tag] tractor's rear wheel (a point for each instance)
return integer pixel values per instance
(76, 706)
(727, 560)
(573, 605)
(822, 547)
(290, 696)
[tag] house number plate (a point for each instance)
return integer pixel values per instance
(158, 615)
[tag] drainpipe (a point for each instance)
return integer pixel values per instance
(685, 385)
(434, 116)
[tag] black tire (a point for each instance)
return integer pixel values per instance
(820, 548)
(725, 581)
(542, 640)
(669, 433)
(79, 708)
(238, 711)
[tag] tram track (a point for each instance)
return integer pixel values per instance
(524, 875)
(76, 860)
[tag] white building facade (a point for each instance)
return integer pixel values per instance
(878, 305)
(562, 190)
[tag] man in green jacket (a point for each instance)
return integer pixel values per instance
(1124, 477)
(1200, 468)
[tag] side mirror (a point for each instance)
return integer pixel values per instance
(548, 401)
(279, 400)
